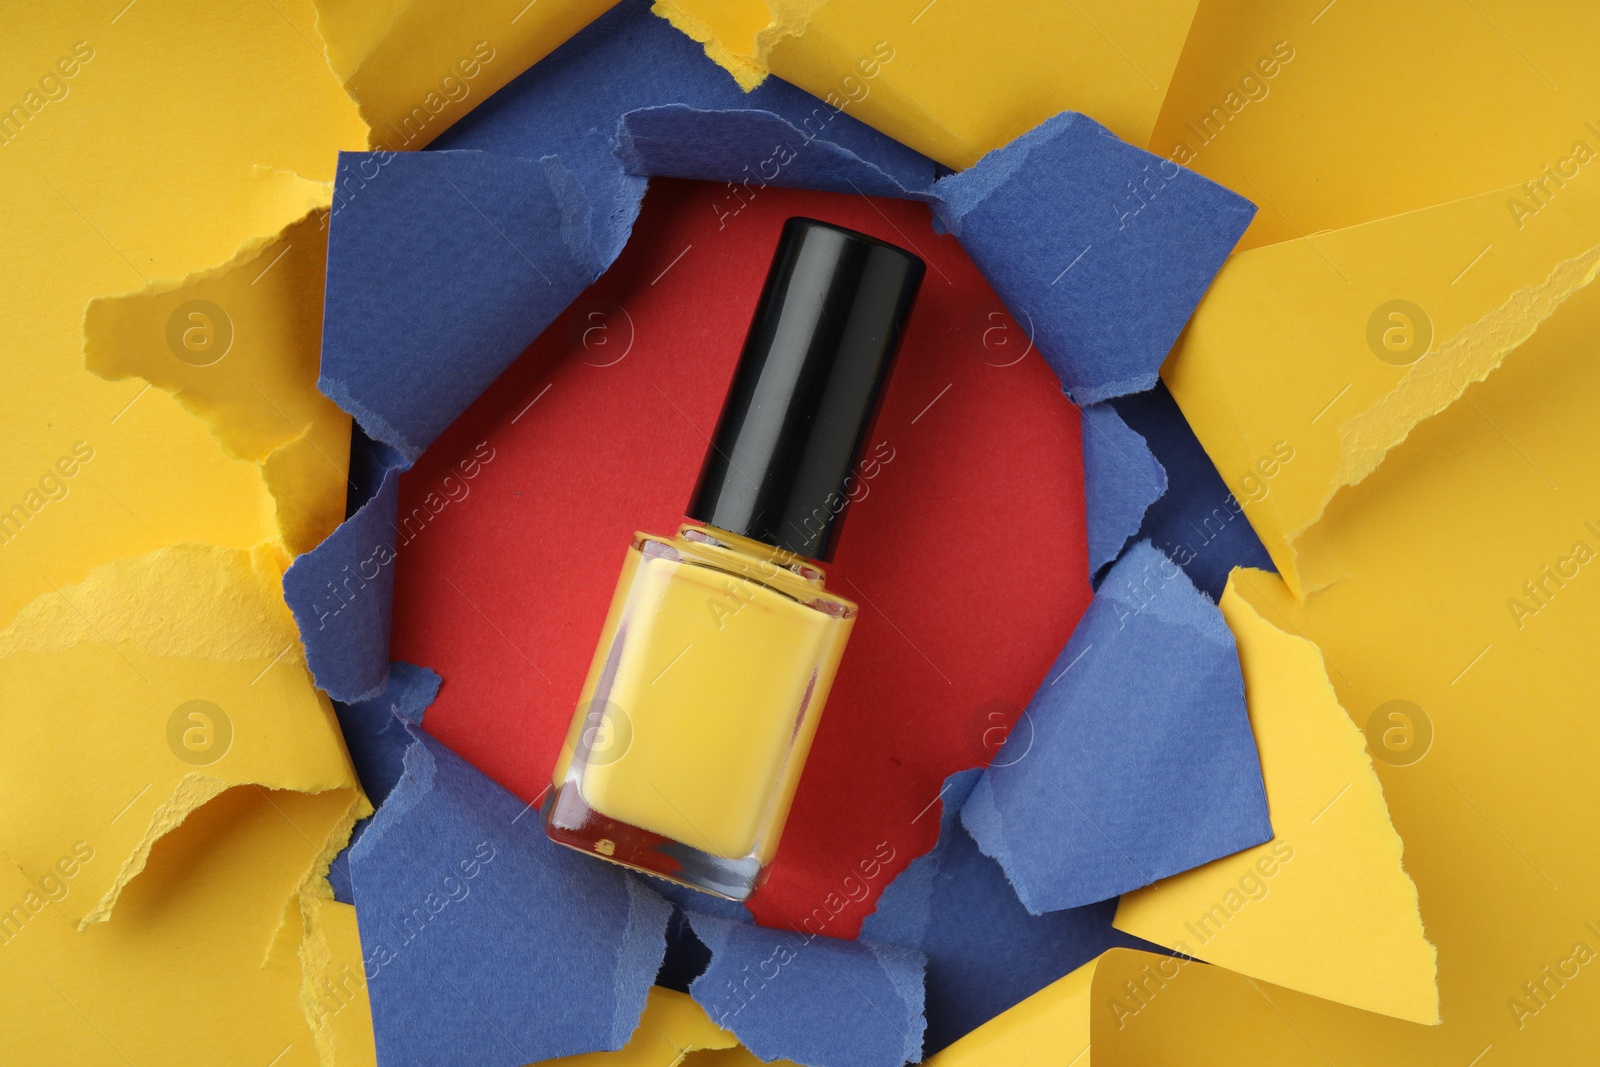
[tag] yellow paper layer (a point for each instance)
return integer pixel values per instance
(1325, 907)
(1291, 349)
(333, 993)
(1383, 108)
(153, 152)
(240, 346)
(953, 78)
(415, 67)
(180, 976)
(1465, 591)
(136, 696)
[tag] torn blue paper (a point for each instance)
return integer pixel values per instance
(1121, 479)
(1199, 523)
(443, 268)
(375, 734)
(484, 942)
(676, 141)
(569, 104)
(1107, 248)
(1139, 762)
(687, 956)
(985, 952)
(444, 265)
(810, 999)
(342, 595)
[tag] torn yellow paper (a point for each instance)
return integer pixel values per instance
(672, 1029)
(1332, 114)
(333, 993)
(1050, 1027)
(240, 346)
(136, 696)
(415, 67)
(954, 78)
(739, 37)
(116, 199)
(1467, 593)
(1330, 350)
(1326, 906)
(187, 944)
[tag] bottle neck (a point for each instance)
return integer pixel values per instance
(756, 553)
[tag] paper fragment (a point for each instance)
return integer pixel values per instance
(1293, 106)
(1121, 477)
(1386, 340)
(521, 208)
(1136, 761)
(677, 141)
(469, 914)
(672, 1030)
(1433, 548)
(375, 734)
(238, 345)
(184, 666)
(414, 67)
(1051, 1027)
(1326, 907)
(190, 930)
(985, 952)
(956, 80)
(1104, 247)
(333, 991)
(812, 999)
(1198, 523)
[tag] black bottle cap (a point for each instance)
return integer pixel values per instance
(807, 388)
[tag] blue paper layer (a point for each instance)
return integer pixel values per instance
(375, 734)
(810, 999)
(677, 141)
(484, 942)
(1138, 761)
(444, 268)
(342, 592)
(443, 265)
(1199, 523)
(1107, 248)
(985, 952)
(1121, 479)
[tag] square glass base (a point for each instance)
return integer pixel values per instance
(570, 821)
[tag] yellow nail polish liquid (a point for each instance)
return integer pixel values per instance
(721, 643)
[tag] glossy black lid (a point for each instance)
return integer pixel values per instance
(807, 388)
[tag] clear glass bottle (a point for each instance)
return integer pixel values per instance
(721, 643)
(699, 708)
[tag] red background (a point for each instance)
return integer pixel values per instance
(967, 554)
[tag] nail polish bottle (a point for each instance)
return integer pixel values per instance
(721, 642)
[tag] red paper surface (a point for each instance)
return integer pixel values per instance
(967, 555)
